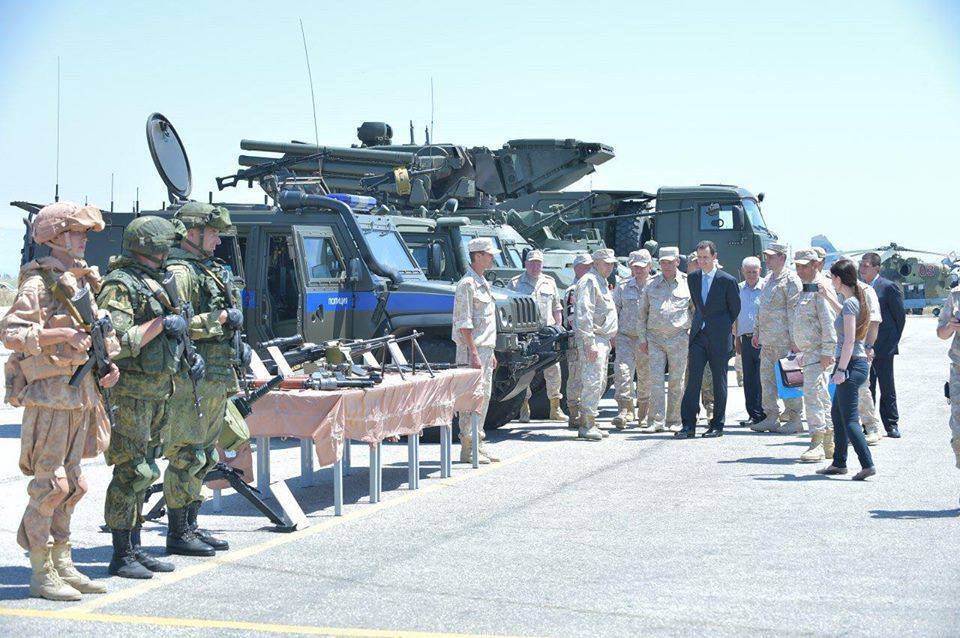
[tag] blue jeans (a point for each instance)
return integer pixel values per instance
(846, 416)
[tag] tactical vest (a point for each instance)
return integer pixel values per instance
(158, 357)
(217, 352)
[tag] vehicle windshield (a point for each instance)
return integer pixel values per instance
(389, 249)
(498, 259)
(558, 260)
(753, 213)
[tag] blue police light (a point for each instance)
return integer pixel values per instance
(358, 203)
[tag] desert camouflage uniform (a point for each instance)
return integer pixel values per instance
(544, 292)
(867, 408)
(665, 316)
(474, 309)
(133, 296)
(775, 324)
(60, 424)
(191, 444)
(629, 360)
(596, 320)
(949, 310)
(813, 333)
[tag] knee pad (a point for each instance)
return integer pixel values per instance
(147, 472)
(211, 458)
(78, 487)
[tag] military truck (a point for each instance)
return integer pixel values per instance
(310, 266)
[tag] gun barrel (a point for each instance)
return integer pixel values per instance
(363, 154)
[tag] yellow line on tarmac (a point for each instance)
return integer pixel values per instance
(199, 623)
(282, 539)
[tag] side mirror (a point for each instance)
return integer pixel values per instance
(450, 206)
(354, 271)
(760, 196)
(434, 261)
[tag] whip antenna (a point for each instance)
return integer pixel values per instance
(313, 102)
(56, 188)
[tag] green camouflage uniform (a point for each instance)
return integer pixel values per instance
(132, 295)
(191, 445)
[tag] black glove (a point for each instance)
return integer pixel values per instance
(234, 318)
(198, 370)
(174, 326)
(246, 354)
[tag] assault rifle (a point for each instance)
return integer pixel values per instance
(236, 340)
(98, 357)
(244, 404)
(266, 169)
(186, 350)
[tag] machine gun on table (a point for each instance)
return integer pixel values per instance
(98, 357)
(223, 472)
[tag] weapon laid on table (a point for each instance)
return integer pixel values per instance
(284, 343)
(98, 357)
(186, 350)
(329, 380)
(244, 404)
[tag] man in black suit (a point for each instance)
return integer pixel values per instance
(893, 317)
(716, 300)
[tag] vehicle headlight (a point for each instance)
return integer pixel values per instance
(505, 319)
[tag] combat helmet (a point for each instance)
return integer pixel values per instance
(149, 236)
(61, 217)
(198, 215)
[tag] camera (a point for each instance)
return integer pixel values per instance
(812, 287)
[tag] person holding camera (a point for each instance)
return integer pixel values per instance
(851, 370)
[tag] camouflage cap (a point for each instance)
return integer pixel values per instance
(62, 217)
(535, 255)
(482, 245)
(197, 215)
(776, 248)
(669, 253)
(804, 256)
(821, 253)
(640, 257)
(583, 259)
(149, 235)
(606, 255)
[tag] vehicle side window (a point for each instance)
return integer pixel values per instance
(421, 253)
(724, 220)
(323, 258)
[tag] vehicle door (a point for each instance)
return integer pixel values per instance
(328, 302)
(722, 223)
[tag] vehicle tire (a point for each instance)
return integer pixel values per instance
(539, 403)
(628, 235)
(502, 412)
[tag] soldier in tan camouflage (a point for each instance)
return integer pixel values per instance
(475, 333)
(815, 338)
(61, 424)
(664, 333)
(581, 266)
(867, 408)
(543, 289)
(596, 326)
(948, 327)
(772, 335)
(630, 361)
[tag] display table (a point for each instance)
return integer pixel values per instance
(327, 421)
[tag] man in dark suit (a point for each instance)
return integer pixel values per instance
(893, 317)
(716, 300)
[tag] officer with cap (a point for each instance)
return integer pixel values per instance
(475, 333)
(666, 311)
(543, 289)
(815, 338)
(948, 327)
(596, 324)
(148, 331)
(781, 290)
(582, 264)
(204, 281)
(630, 361)
(60, 424)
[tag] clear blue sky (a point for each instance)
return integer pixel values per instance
(846, 114)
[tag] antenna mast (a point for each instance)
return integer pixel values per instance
(313, 102)
(56, 189)
(433, 129)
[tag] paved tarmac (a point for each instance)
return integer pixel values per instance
(634, 535)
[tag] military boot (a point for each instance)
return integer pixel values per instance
(573, 421)
(525, 412)
(769, 424)
(815, 453)
(555, 413)
(872, 434)
(144, 558)
(45, 582)
(828, 443)
(124, 564)
(640, 411)
(485, 453)
(588, 429)
(793, 426)
(955, 444)
(217, 544)
(652, 427)
(466, 452)
(63, 563)
(180, 538)
(624, 412)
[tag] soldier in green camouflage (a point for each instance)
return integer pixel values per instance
(148, 361)
(191, 448)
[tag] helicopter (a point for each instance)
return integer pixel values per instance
(925, 281)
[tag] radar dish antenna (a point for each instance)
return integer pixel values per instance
(169, 157)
